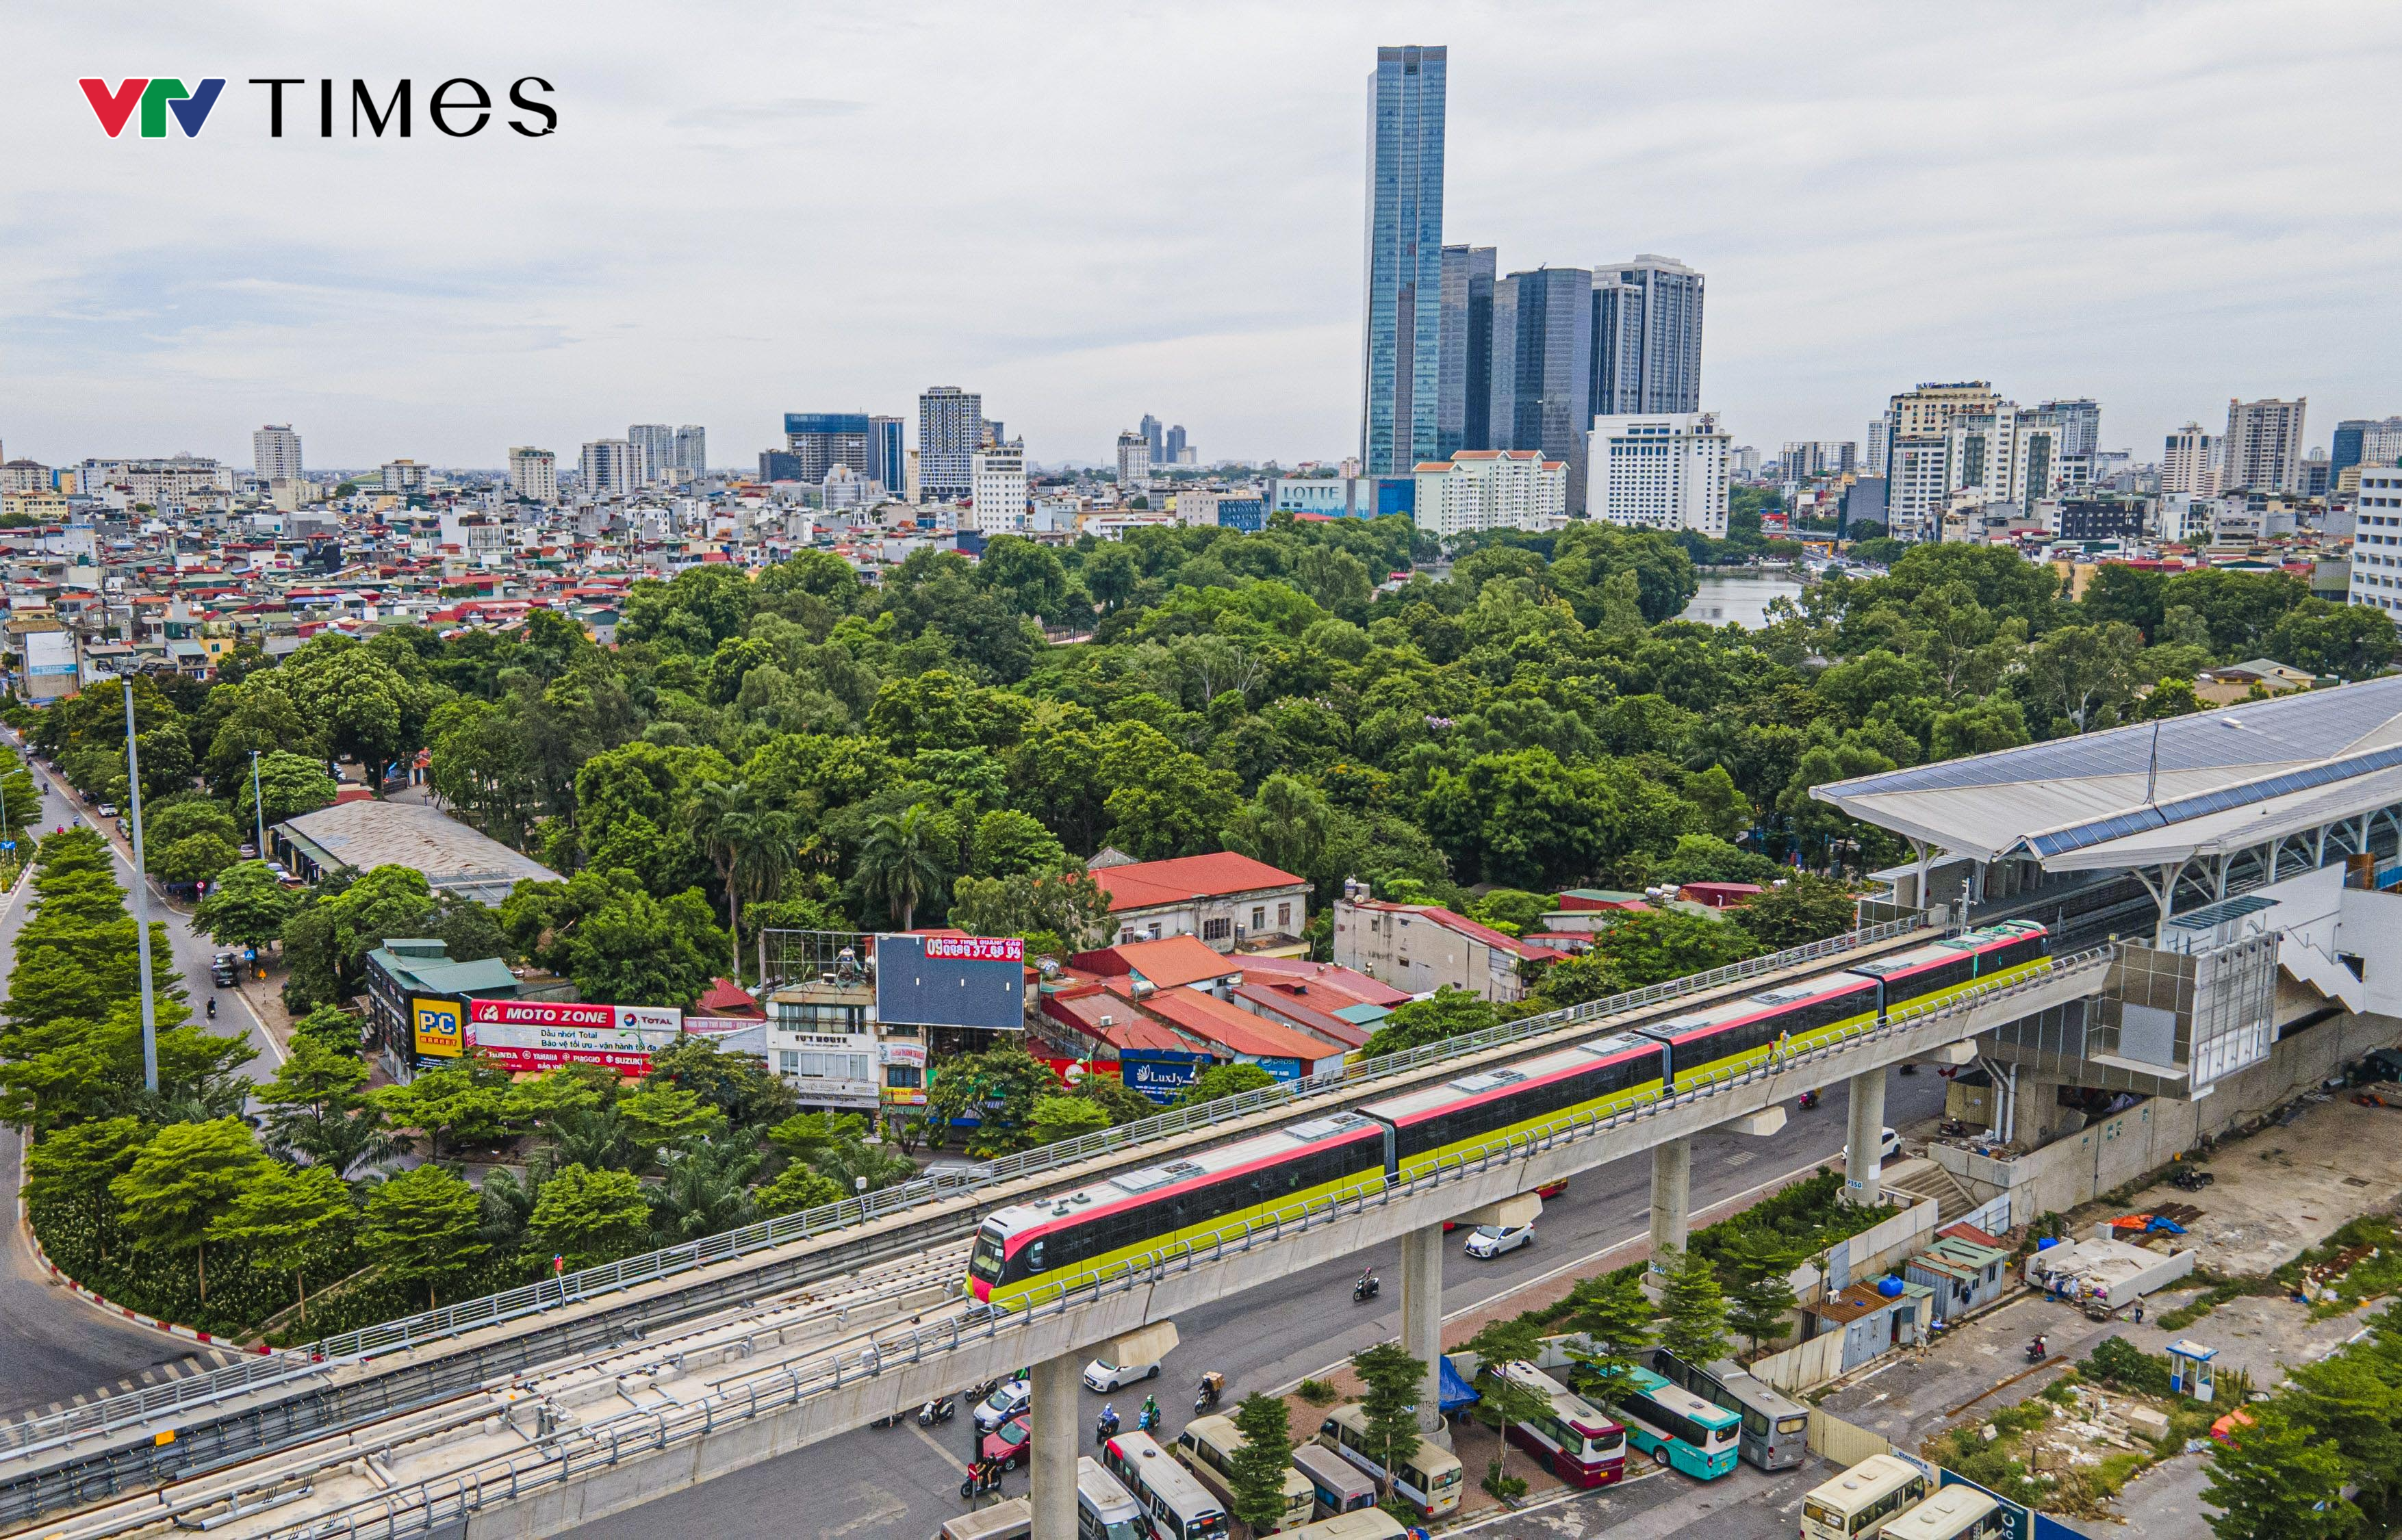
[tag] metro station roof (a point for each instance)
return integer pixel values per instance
(2153, 793)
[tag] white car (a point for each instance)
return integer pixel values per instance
(1490, 1241)
(1102, 1377)
(1009, 1400)
(1888, 1147)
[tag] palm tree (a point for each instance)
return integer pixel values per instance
(750, 843)
(705, 1192)
(897, 865)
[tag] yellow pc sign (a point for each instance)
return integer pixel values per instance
(441, 1034)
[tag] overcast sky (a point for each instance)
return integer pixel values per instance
(1088, 212)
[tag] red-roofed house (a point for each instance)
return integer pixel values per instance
(1421, 947)
(1280, 1049)
(1226, 898)
(1167, 964)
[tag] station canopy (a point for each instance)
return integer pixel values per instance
(2153, 793)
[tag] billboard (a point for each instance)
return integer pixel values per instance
(951, 980)
(527, 1036)
(1162, 1075)
(438, 1031)
(50, 652)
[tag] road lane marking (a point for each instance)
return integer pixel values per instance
(931, 1442)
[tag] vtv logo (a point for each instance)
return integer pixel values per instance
(114, 108)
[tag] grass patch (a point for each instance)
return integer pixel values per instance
(1318, 1392)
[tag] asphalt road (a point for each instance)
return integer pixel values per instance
(54, 1347)
(903, 1481)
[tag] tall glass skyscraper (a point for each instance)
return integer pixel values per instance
(1542, 368)
(1401, 363)
(1465, 421)
(1647, 347)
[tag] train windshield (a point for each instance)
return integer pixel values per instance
(985, 1263)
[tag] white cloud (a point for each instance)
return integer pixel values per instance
(1088, 212)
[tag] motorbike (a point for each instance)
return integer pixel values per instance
(1365, 1289)
(212, 1008)
(1809, 1100)
(1213, 1384)
(2037, 1351)
(1105, 1426)
(940, 1410)
(1148, 1420)
(894, 1421)
(981, 1389)
(1952, 1128)
(2187, 1179)
(982, 1477)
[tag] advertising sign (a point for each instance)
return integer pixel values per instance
(1162, 1075)
(527, 1036)
(2018, 1522)
(438, 1030)
(951, 980)
(50, 652)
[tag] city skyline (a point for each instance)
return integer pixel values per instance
(156, 302)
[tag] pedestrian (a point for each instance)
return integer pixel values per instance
(1782, 1038)
(2139, 1312)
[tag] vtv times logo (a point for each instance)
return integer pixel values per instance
(457, 108)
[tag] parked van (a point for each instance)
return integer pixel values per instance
(1207, 1445)
(1429, 1480)
(1337, 1486)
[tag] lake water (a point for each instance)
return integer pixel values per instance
(1744, 600)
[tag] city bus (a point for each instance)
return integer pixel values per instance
(1676, 1428)
(1775, 1427)
(1360, 1524)
(1859, 1503)
(1579, 1445)
(1181, 1508)
(1429, 1480)
(1207, 1447)
(1103, 1512)
(1956, 1513)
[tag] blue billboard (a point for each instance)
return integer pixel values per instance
(1161, 1074)
(951, 980)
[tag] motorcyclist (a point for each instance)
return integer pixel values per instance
(212, 1008)
(1150, 1418)
(1110, 1415)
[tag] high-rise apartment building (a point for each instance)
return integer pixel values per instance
(692, 449)
(1465, 416)
(2081, 426)
(610, 467)
(2377, 541)
(1880, 439)
(2262, 451)
(2364, 441)
(1134, 463)
(1661, 470)
(996, 487)
(1647, 331)
(403, 476)
(275, 453)
(820, 441)
(1151, 429)
(1543, 367)
(1807, 459)
(655, 449)
(1401, 366)
(950, 430)
(534, 475)
(1919, 471)
(1178, 452)
(2190, 463)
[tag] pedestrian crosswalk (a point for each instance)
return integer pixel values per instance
(199, 1360)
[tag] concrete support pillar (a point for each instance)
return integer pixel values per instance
(1672, 1192)
(1422, 1317)
(1057, 1425)
(2034, 1109)
(1865, 1139)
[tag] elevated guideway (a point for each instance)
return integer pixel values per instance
(111, 1447)
(539, 1452)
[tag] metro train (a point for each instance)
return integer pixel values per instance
(1095, 1231)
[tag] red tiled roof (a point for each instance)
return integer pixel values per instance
(1167, 962)
(1213, 1019)
(1263, 999)
(1127, 1026)
(1961, 1229)
(724, 998)
(1359, 985)
(1144, 885)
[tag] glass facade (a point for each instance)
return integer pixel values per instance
(1401, 366)
(1465, 421)
(1542, 368)
(888, 452)
(1646, 346)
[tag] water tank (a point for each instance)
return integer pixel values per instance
(1889, 1286)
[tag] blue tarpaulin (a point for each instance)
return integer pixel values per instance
(1456, 1392)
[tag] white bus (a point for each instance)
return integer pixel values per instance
(1103, 1512)
(1429, 1480)
(1360, 1524)
(1956, 1513)
(1181, 1508)
(1860, 1502)
(1207, 1445)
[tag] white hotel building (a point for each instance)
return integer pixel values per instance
(1660, 471)
(2377, 542)
(1491, 489)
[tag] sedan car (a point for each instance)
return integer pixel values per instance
(1547, 1192)
(1009, 1400)
(1490, 1241)
(1008, 1445)
(1102, 1377)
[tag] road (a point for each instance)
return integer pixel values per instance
(53, 1346)
(903, 1481)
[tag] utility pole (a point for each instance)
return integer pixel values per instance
(259, 804)
(140, 900)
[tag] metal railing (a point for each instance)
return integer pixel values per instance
(151, 1402)
(430, 1503)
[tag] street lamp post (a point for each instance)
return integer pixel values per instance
(140, 900)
